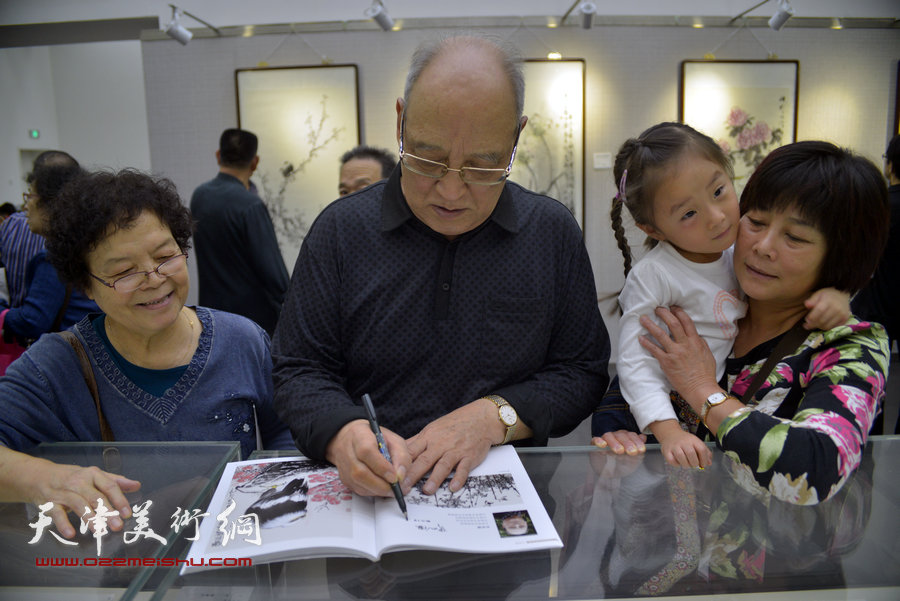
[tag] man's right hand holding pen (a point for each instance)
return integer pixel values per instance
(449, 447)
(354, 451)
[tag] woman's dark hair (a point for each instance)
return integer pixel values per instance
(96, 205)
(646, 159)
(843, 195)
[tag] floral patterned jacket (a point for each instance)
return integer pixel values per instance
(801, 435)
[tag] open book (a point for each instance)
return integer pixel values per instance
(294, 508)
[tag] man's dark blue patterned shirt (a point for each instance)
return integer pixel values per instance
(381, 304)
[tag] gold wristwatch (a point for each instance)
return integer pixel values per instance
(713, 400)
(507, 415)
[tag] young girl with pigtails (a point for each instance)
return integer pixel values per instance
(677, 185)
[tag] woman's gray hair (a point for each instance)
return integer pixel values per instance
(511, 61)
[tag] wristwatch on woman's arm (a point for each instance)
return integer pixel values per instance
(713, 400)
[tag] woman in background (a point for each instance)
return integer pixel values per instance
(49, 304)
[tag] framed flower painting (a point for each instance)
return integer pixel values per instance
(748, 107)
(305, 118)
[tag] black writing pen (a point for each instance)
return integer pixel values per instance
(382, 446)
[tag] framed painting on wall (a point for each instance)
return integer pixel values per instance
(550, 157)
(897, 103)
(305, 118)
(748, 107)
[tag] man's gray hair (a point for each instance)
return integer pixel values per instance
(511, 62)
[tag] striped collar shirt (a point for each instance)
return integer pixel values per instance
(18, 245)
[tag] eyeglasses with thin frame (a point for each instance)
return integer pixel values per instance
(133, 281)
(470, 175)
(28, 197)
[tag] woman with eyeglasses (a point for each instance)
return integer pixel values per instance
(48, 305)
(163, 371)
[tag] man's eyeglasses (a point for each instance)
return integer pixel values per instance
(133, 281)
(470, 175)
(28, 197)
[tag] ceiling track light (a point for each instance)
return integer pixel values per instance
(379, 13)
(777, 21)
(178, 32)
(588, 10)
(781, 16)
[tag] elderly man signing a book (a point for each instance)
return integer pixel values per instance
(463, 304)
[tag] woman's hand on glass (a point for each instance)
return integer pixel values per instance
(80, 490)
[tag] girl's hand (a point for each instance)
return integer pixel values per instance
(686, 450)
(828, 308)
(679, 447)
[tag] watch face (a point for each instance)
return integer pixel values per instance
(508, 415)
(716, 398)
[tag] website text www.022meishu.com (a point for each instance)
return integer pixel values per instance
(144, 562)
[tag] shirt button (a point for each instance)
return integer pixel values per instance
(445, 286)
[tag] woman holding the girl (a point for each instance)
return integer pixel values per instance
(811, 217)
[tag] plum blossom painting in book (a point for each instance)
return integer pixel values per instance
(286, 508)
(748, 107)
(305, 118)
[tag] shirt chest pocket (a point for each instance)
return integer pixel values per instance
(515, 334)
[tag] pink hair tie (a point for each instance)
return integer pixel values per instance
(621, 194)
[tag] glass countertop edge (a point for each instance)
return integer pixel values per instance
(234, 454)
(268, 454)
(142, 443)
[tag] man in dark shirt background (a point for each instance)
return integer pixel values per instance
(363, 166)
(464, 305)
(239, 264)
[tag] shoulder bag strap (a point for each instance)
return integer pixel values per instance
(88, 373)
(789, 342)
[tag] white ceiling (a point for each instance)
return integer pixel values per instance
(224, 13)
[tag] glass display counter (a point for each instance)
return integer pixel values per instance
(632, 527)
(175, 477)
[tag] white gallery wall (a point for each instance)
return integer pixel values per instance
(86, 99)
(846, 93)
(157, 105)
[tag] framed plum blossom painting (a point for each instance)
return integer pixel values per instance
(748, 107)
(306, 117)
(550, 158)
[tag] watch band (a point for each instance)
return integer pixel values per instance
(501, 402)
(713, 400)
